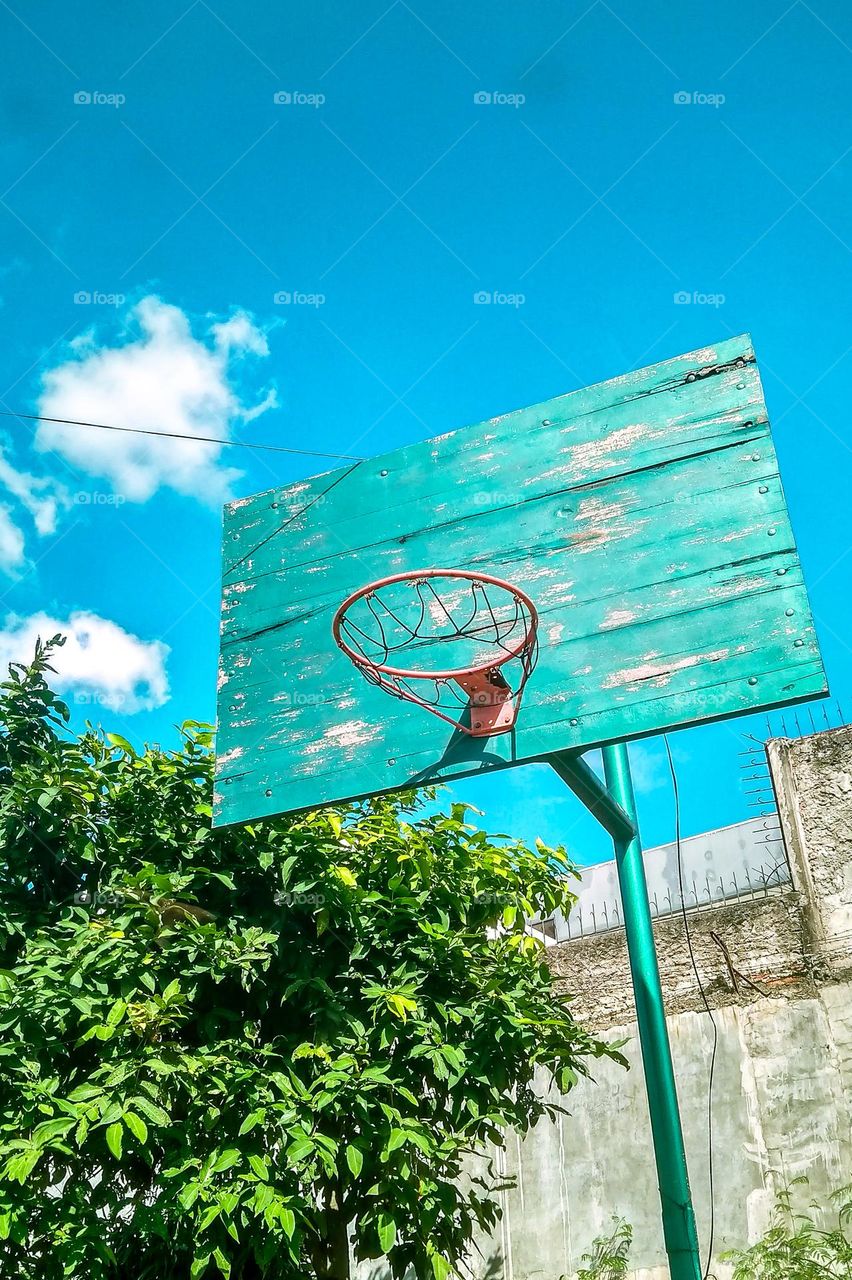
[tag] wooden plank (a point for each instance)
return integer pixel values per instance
(572, 440)
(581, 528)
(644, 516)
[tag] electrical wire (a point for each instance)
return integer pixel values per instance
(178, 435)
(704, 1000)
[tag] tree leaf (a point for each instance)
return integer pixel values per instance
(84, 1092)
(252, 1119)
(137, 1126)
(299, 1149)
(396, 1139)
(263, 1196)
(387, 1231)
(227, 1160)
(154, 1113)
(116, 1013)
(210, 1214)
(50, 1129)
(113, 1137)
(222, 1262)
(440, 1267)
(188, 1194)
(401, 1005)
(19, 1168)
(354, 1159)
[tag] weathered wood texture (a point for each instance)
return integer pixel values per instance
(644, 516)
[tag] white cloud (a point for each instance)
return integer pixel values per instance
(100, 661)
(11, 543)
(159, 378)
(239, 334)
(41, 496)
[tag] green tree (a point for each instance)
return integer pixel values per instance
(608, 1258)
(797, 1246)
(222, 1051)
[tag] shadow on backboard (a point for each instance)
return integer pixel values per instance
(464, 751)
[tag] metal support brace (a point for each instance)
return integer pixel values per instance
(591, 792)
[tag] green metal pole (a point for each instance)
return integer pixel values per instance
(679, 1230)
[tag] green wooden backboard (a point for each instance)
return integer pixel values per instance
(643, 516)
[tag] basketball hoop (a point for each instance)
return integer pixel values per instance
(488, 626)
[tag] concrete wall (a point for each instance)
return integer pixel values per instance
(778, 975)
(813, 786)
(781, 1108)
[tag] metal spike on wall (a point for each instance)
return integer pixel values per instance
(757, 780)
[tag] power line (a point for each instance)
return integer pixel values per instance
(178, 435)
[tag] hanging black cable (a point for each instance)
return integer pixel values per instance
(179, 435)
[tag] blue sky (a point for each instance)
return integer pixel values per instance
(147, 165)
